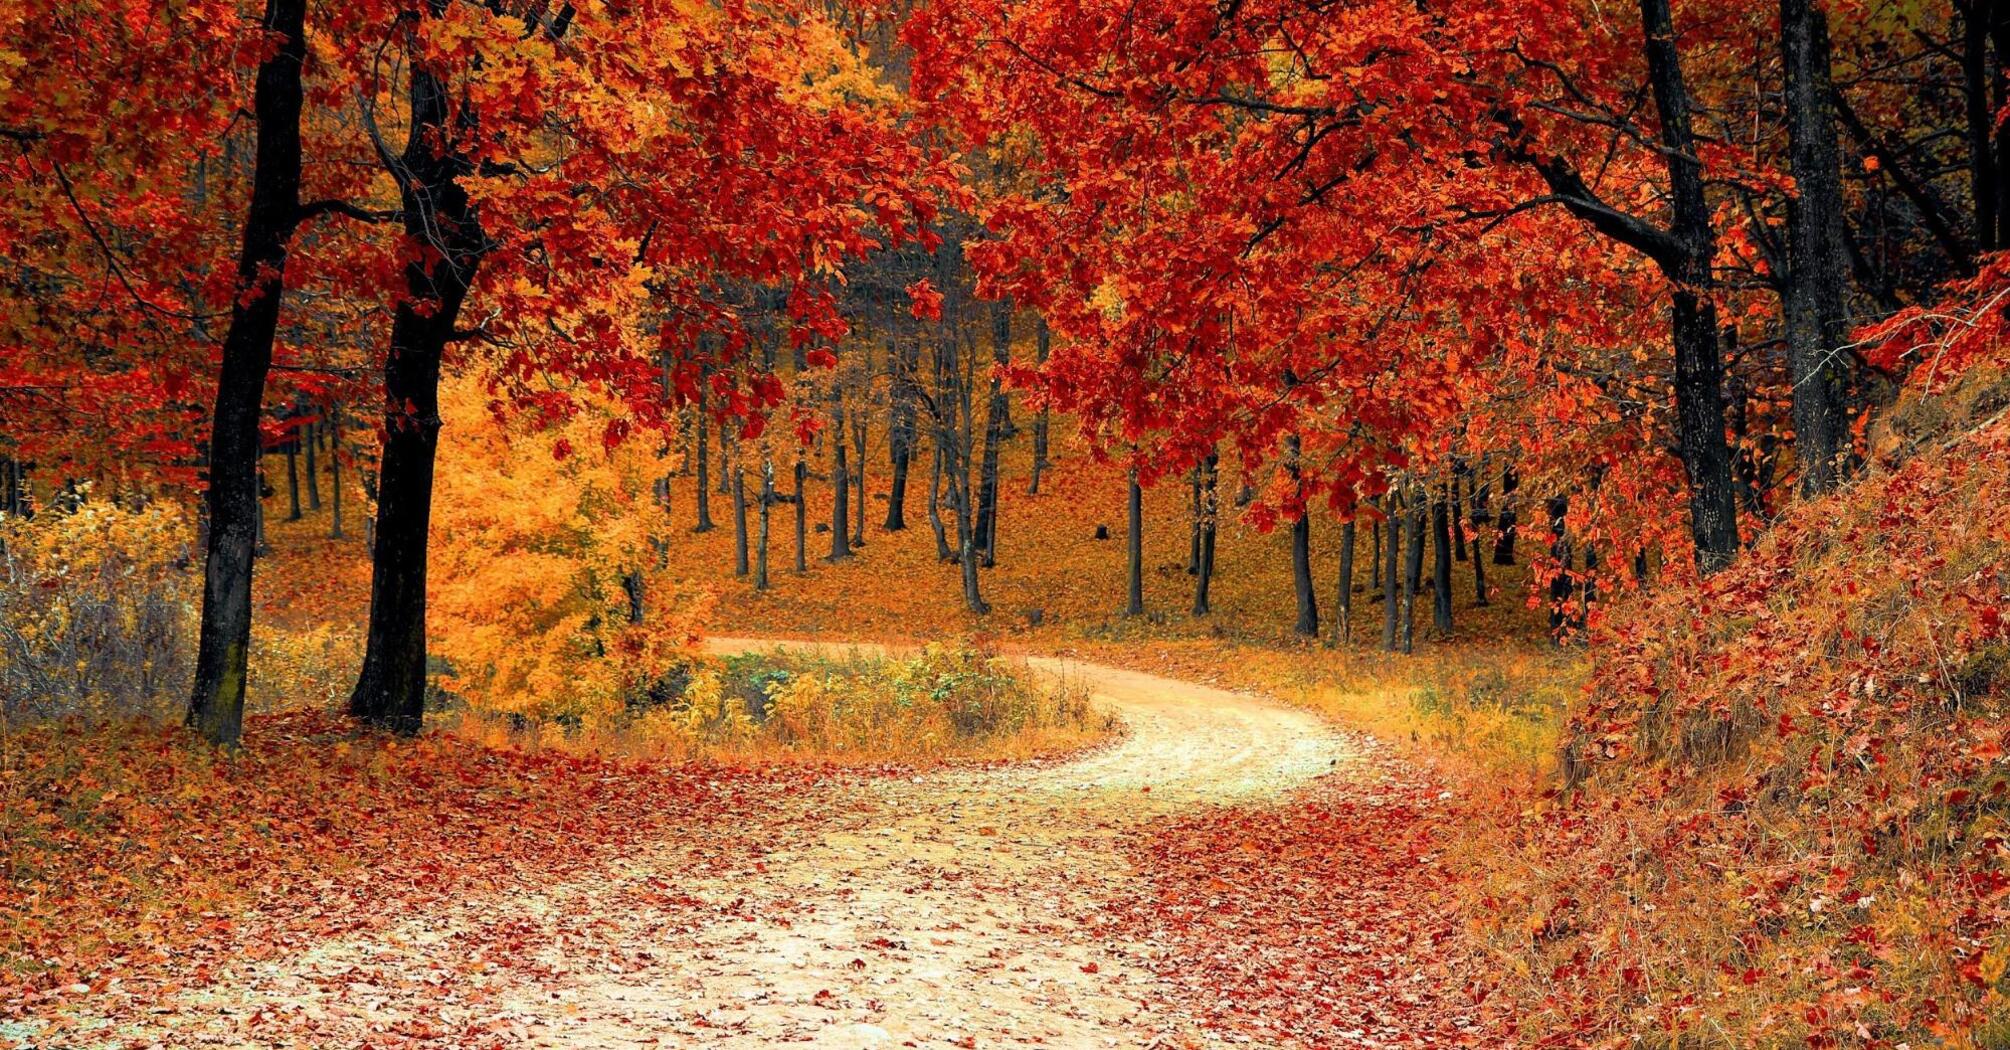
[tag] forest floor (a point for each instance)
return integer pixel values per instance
(1032, 904)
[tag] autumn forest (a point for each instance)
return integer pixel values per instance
(1073, 523)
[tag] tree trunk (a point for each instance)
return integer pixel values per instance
(1194, 510)
(859, 422)
(1375, 571)
(802, 515)
(216, 707)
(703, 461)
(994, 436)
(313, 466)
(1975, 83)
(900, 432)
(1561, 584)
(1208, 501)
(840, 484)
(293, 479)
(767, 502)
(741, 567)
(391, 691)
(1134, 545)
(1391, 572)
(1307, 625)
(943, 552)
(1042, 345)
(1817, 309)
(1441, 567)
(335, 471)
(1699, 371)
(1504, 546)
(1343, 602)
(1413, 571)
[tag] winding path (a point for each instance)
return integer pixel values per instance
(964, 908)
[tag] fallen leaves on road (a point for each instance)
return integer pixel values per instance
(1319, 921)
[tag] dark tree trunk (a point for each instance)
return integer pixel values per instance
(1441, 567)
(1307, 624)
(391, 690)
(1393, 515)
(1375, 570)
(1042, 345)
(943, 552)
(313, 466)
(216, 707)
(293, 480)
(1343, 602)
(1975, 82)
(1413, 570)
(1817, 307)
(703, 461)
(1504, 546)
(840, 484)
(802, 516)
(994, 436)
(1208, 503)
(1134, 547)
(1699, 372)
(767, 502)
(335, 471)
(741, 565)
(1560, 585)
(900, 432)
(859, 422)
(1193, 532)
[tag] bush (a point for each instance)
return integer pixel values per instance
(96, 611)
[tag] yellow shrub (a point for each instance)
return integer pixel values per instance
(96, 610)
(541, 539)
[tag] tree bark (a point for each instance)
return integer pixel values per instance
(1134, 546)
(1413, 571)
(1699, 372)
(1441, 566)
(216, 707)
(1042, 346)
(293, 478)
(1392, 543)
(1343, 602)
(335, 471)
(767, 502)
(994, 436)
(1817, 309)
(1208, 503)
(900, 432)
(802, 516)
(703, 460)
(840, 484)
(391, 690)
(1504, 546)
(313, 466)
(1975, 82)
(1307, 625)
(741, 565)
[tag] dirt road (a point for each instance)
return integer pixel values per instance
(965, 908)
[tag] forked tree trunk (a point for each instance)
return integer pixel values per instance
(391, 690)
